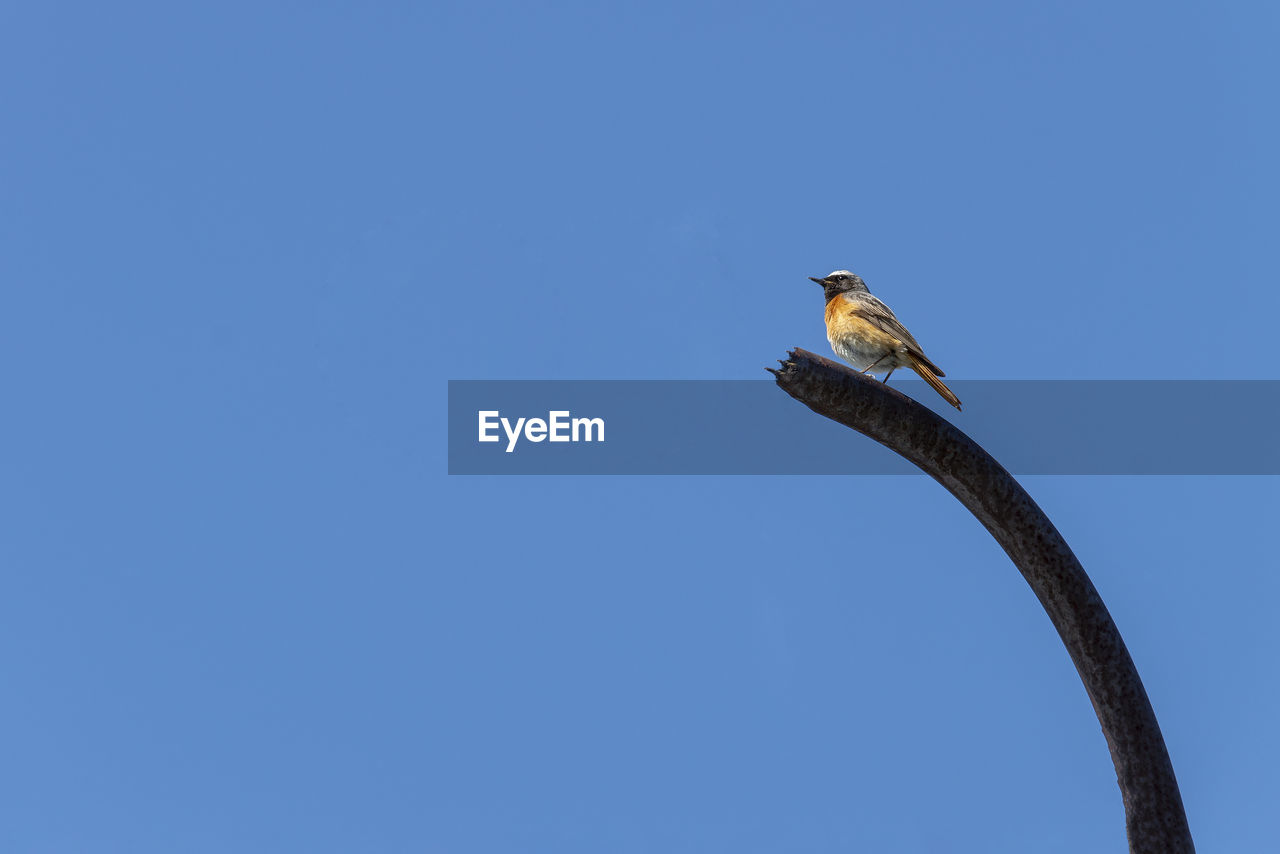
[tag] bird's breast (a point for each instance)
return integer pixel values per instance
(859, 341)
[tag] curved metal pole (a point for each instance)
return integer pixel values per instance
(1154, 817)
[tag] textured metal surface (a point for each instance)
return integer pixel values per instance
(1154, 816)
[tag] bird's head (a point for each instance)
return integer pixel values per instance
(840, 282)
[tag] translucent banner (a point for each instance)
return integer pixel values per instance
(752, 427)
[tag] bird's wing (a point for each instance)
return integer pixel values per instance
(875, 312)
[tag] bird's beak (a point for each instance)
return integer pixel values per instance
(822, 282)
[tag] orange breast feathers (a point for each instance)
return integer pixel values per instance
(843, 323)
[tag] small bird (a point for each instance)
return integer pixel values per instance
(864, 332)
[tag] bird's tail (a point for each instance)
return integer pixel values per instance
(922, 368)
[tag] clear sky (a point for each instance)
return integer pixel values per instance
(246, 245)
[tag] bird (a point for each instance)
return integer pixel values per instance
(865, 333)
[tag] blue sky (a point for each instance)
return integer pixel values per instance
(246, 245)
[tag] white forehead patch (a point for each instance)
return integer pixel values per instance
(839, 273)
